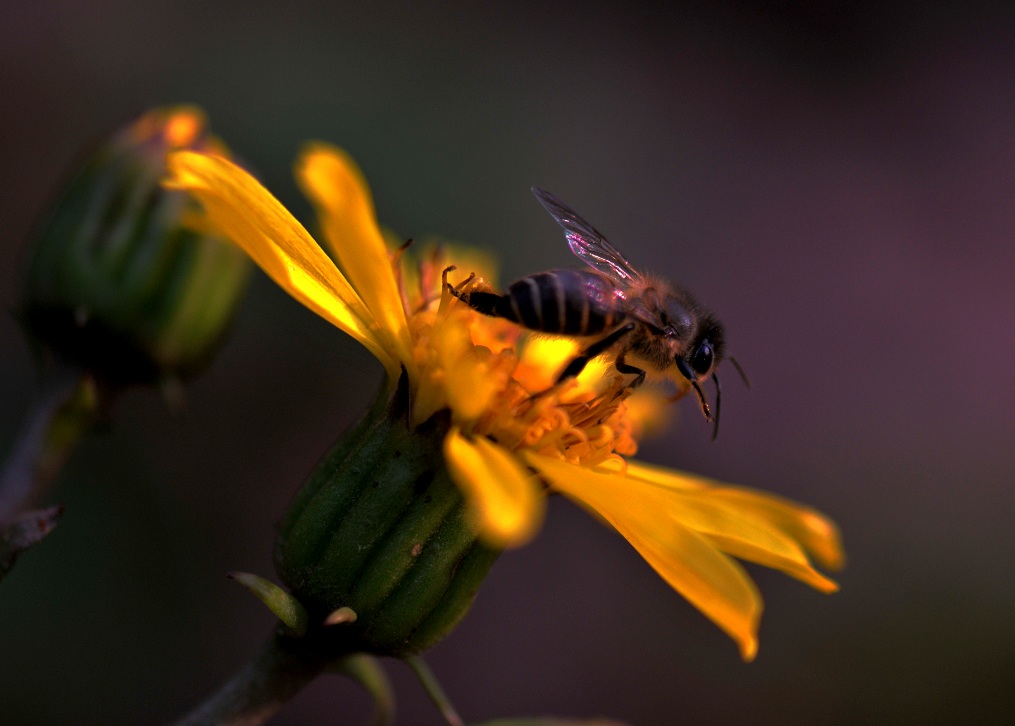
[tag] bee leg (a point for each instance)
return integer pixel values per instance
(627, 368)
(485, 303)
(578, 363)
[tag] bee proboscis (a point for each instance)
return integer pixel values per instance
(638, 316)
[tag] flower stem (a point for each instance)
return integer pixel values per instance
(67, 402)
(434, 690)
(65, 406)
(282, 669)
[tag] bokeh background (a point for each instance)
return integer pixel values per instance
(835, 179)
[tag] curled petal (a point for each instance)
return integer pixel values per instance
(743, 534)
(333, 182)
(507, 504)
(815, 532)
(692, 564)
(242, 210)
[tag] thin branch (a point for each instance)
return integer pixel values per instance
(256, 693)
(65, 406)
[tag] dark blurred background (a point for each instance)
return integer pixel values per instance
(835, 179)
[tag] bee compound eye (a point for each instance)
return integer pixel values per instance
(701, 360)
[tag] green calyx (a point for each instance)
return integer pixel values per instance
(380, 528)
(120, 282)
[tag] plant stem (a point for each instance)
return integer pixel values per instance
(65, 406)
(281, 670)
(67, 402)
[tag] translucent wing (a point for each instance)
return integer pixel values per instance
(586, 241)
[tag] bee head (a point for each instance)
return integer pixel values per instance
(704, 353)
(699, 362)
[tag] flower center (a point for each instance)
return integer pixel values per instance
(500, 382)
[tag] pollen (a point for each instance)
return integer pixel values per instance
(499, 382)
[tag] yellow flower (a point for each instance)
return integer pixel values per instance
(508, 446)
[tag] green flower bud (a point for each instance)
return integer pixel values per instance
(380, 528)
(122, 282)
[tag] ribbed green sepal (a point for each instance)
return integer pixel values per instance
(120, 282)
(380, 527)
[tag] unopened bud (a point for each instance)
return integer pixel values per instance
(122, 281)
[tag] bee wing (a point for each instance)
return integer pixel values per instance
(586, 242)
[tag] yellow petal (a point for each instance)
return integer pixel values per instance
(664, 476)
(426, 259)
(472, 375)
(504, 497)
(543, 357)
(332, 181)
(742, 533)
(244, 211)
(691, 564)
(815, 532)
(648, 413)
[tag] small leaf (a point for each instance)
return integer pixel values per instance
(285, 607)
(24, 531)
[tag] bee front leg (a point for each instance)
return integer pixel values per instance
(627, 368)
(578, 363)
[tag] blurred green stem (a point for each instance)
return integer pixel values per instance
(281, 670)
(66, 404)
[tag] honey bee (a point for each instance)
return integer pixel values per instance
(639, 317)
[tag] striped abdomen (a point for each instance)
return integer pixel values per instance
(569, 302)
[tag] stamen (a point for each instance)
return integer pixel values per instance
(396, 264)
(445, 287)
(428, 291)
(466, 282)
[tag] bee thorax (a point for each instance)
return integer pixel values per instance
(654, 350)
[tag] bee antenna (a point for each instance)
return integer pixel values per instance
(740, 370)
(718, 399)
